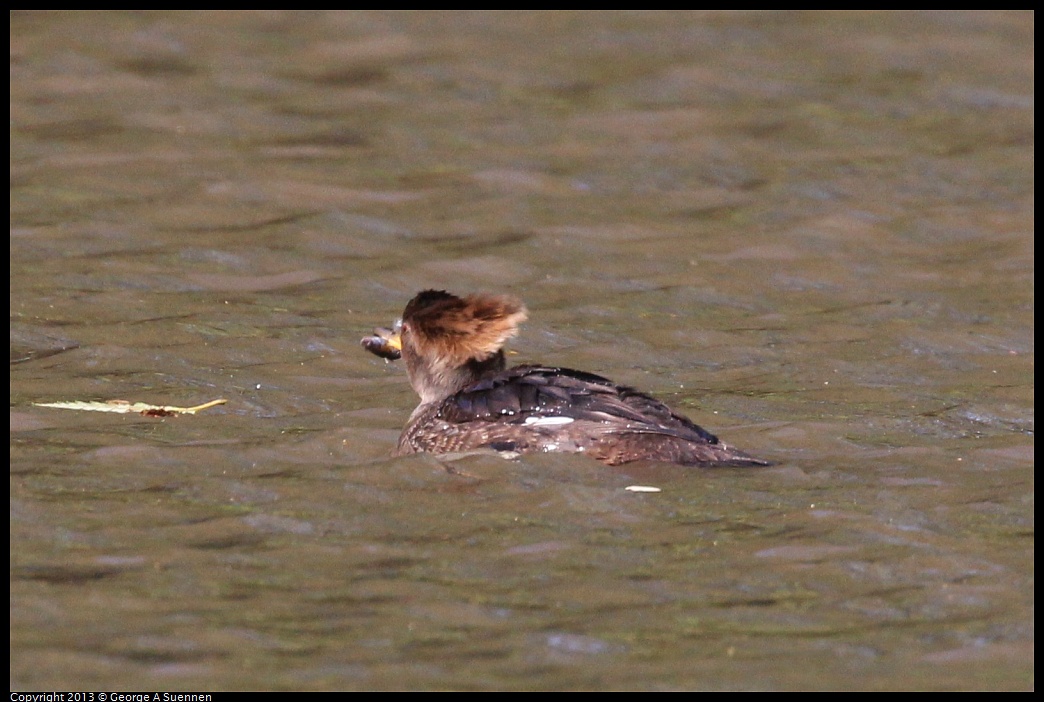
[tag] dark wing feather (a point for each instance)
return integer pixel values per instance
(527, 391)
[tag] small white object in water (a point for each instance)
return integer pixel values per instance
(642, 488)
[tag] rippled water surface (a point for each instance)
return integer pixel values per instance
(812, 233)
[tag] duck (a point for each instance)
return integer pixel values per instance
(453, 348)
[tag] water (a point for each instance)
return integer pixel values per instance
(810, 232)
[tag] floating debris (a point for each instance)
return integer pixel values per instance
(642, 488)
(125, 407)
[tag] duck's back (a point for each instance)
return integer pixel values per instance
(540, 408)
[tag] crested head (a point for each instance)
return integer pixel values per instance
(458, 330)
(449, 341)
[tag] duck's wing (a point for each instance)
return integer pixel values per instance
(541, 408)
(542, 395)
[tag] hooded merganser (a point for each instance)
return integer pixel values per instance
(455, 361)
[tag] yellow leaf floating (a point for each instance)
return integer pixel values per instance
(124, 407)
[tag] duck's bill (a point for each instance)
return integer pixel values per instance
(386, 343)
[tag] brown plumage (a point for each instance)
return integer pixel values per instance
(453, 348)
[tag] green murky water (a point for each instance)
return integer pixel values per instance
(811, 232)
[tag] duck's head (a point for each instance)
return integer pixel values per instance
(449, 342)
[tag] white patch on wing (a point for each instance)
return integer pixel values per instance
(547, 421)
